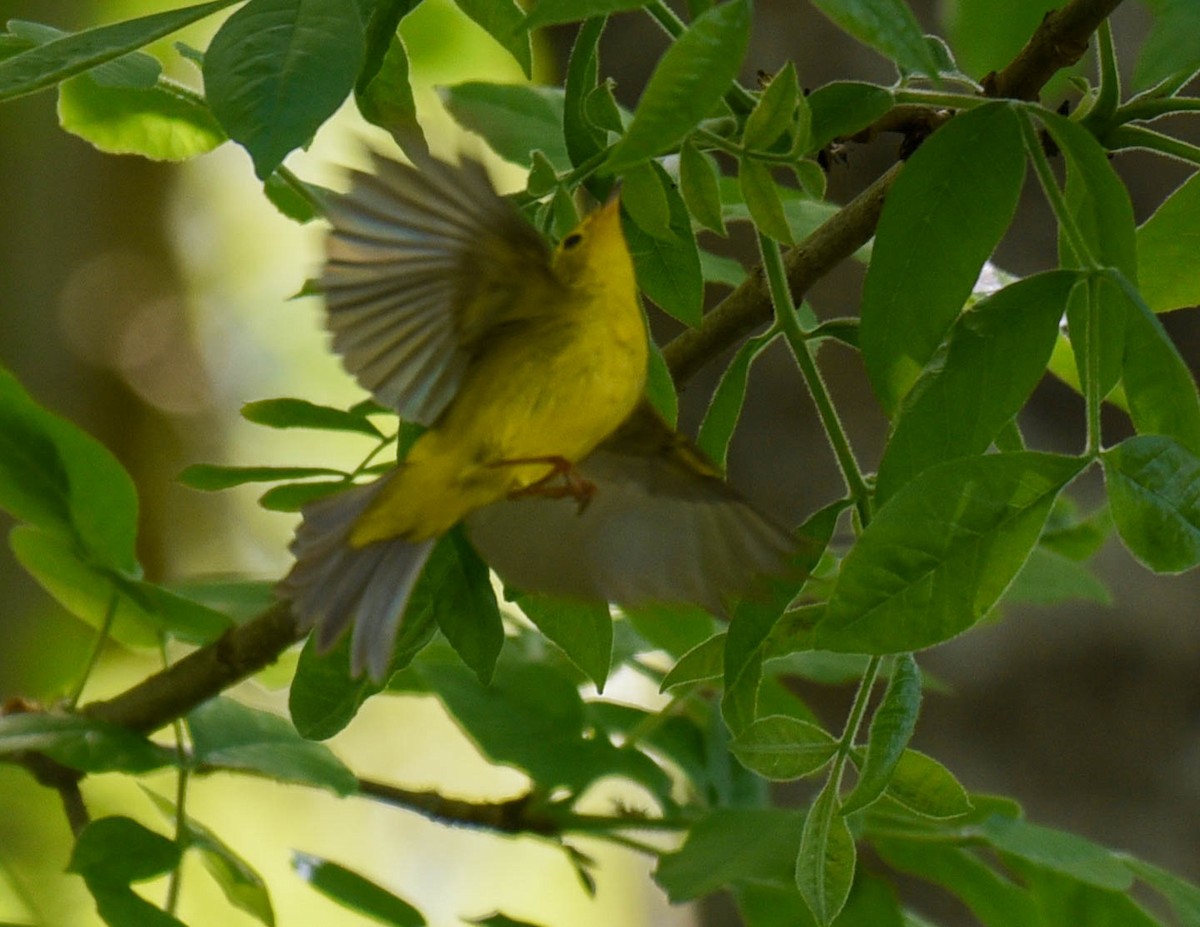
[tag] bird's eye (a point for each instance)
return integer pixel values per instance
(571, 241)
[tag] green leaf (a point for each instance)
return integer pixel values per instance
(57, 477)
(135, 70)
(383, 91)
(514, 119)
(1154, 492)
(531, 717)
(775, 112)
(210, 477)
(82, 743)
(242, 886)
(119, 850)
(457, 588)
(924, 786)
(991, 898)
(583, 137)
(1058, 851)
(1158, 384)
(888, 26)
(725, 407)
(1048, 578)
(977, 381)
(781, 748)
(722, 270)
(673, 628)
(660, 387)
(504, 21)
(84, 590)
(352, 891)
(645, 201)
(299, 413)
(668, 271)
(943, 218)
(277, 69)
(841, 108)
(703, 662)
(76, 52)
(761, 196)
(584, 631)
(1167, 242)
(549, 12)
(162, 123)
(228, 734)
(1062, 899)
(1183, 897)
(299, 201)
(892, 727)
(688, 82)
(825, 863)
(292, 497)
(698, 184)
(1100, 206)
(1169, 49)
(730, 846)
(940, 553)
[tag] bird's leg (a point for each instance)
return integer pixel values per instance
(573, 485)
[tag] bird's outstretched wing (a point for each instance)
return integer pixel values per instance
(420, 266)
(662, 526)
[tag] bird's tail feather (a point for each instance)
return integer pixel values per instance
(334, 585)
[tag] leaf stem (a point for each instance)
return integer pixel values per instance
(1054, 196)
(110, 614)
(1150, 109)
(786, 319)
(1150, 140)
(1109, 96)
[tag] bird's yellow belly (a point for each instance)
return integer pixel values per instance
(554, 393)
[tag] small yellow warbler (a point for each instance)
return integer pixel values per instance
(450, 309)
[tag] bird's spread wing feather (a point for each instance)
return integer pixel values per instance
(661, 527)
(420, 266)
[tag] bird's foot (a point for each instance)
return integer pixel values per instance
(562, 482)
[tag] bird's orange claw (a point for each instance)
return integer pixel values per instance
(573, 486)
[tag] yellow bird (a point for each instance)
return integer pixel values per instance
(529, 369)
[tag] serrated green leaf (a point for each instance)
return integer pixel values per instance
(781, 748)
(698, 184)
(826, 861)
(162, 123)
(242, 886)
(1159, 386)
(1058, 851)
(457, 587)
(892, 727)
(841, 108)
(761, 196)
(977, 381)
(1154, 492)
(584, 631)
(923, 785)
(725, 407)
(276, 70)
(228, 734)
(1167, 242)
(72, 54)
(888, 26)
(775, 111)
(645, 201)
(688, 82)
(299, 413)
(514, 119)
(943, 218)
(940, 553)
(350, 890)
(504, 21)
(668, 271)
(82, 743)
(730, 846)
